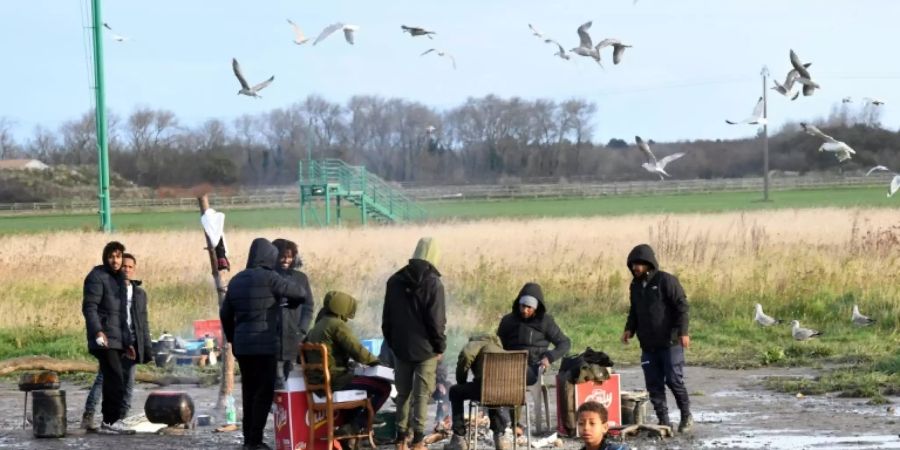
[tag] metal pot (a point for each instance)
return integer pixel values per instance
(31, 381)
(169, 407)
(162, 359)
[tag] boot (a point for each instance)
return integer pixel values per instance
(87, 422)
(687, 423)
(499, 442)
(402, 442)
(457, 442)
(664, 419)
(418, 442)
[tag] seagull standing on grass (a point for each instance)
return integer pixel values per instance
(245, 87)
(859, 319)
(756, 118)
(652, 165)
(347, 28)
(762, 319)
(841, 150)
(802, 334)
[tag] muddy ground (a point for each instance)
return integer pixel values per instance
(731, 409)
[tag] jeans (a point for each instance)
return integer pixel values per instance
(129, 367)
(665, 367)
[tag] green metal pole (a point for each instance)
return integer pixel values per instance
(102, 139)
(302, 197)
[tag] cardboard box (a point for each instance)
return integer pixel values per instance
(348, 395)
(385, 373)
(608, 394)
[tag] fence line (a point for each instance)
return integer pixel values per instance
(289, 197)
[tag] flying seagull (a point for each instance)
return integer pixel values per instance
(561, 52)
(618, 48)
(417, 31)
(245, 88)
(652, 165)
(873, 101)
(535, 32)
(847, 100)
(440, 53)
(841, 150)
(859, 319)
(756, 118)
(299, 37)
(586, 46)
(804, 78)
(114, 36)
(802, 334)
(787, 88)
(762, 319)
(347, 28)
(895, 182)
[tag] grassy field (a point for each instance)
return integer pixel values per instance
(807, 264)
(466, 210)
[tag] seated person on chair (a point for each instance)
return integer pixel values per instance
(592, 427)
(332, 330)
(471, 358)
(530, 327)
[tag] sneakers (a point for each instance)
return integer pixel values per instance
(87, 422)
(114, 428)
(500, 442)
(457, 442)
(687, 423)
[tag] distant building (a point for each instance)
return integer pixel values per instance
(22, 164)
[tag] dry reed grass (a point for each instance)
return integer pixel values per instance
(726, 262)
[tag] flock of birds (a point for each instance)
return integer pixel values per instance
(801, 334)
(798, 75)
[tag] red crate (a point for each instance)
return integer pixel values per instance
(212, 327)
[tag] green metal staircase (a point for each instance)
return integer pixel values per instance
(333, 179)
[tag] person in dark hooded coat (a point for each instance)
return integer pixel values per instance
(659, 316)
(250, 315)
(295, 322)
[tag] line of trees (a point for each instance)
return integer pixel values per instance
(482, 140)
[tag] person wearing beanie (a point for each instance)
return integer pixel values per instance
(659, 316)
(530, 327)
(413, 324)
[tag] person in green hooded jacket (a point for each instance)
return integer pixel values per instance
(331, 329)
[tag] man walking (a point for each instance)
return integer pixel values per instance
(413, 322)
(138, 324)
(659, 316)
(250, 315)
(106, 322)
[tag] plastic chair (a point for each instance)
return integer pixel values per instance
(502, 385)
(329, 407)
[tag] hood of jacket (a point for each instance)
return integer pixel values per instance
(340, 305)
(534, 290)
(644, 253)
(416, 270)
(487, 338)
(262, 254)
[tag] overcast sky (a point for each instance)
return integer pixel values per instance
(694, 63)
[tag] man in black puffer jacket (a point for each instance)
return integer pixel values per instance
(413, 321)
(108, 336)
(659, 316)
(250, 315)
(530, 327)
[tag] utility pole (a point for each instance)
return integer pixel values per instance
(100, 111)
(765, 75)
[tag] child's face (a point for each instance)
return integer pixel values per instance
(591, 428)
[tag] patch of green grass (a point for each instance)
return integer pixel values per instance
(473, 209)
(857, 382)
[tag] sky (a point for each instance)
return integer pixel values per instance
(693, 63)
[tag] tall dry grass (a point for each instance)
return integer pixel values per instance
(809, 263)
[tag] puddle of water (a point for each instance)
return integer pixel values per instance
(792, 441)
(716, 416)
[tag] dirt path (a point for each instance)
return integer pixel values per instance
(730, 407)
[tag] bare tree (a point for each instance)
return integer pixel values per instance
(8, 147)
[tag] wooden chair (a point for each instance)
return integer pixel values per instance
(329, 407)
(502, 385)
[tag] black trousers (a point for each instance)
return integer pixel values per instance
(113, 383)
(459, 393)
(665, 367)
(257, 390)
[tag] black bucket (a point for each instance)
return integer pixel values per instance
(49, 413)
(169, 407)
(162, 359)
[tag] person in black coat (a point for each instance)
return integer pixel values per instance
(295, 322)
(659, 316)
(250, 315)
(108, 336)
